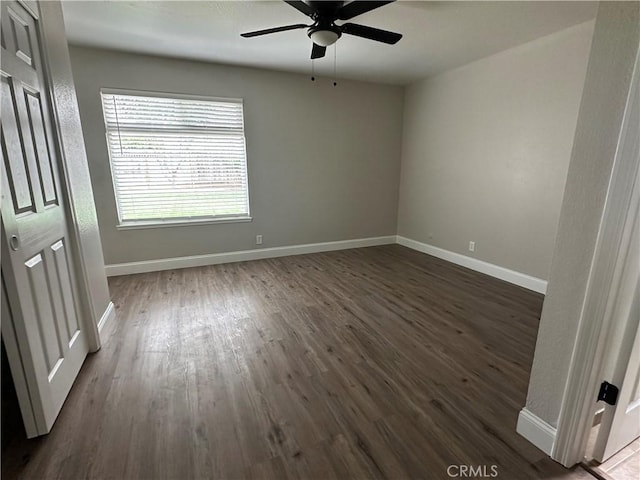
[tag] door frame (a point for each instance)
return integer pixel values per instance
(590, 351)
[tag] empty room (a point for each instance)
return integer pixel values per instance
(320, 239)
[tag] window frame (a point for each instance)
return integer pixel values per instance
(178, 221)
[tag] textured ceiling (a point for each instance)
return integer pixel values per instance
(437, 35)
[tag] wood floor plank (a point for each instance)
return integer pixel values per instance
(378, 362)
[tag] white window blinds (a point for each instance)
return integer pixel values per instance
(176, 158)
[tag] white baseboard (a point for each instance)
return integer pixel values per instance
(107, 316)
(242, 256)
(511, 276)
(536, 430)
(517, 278)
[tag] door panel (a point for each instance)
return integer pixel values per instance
(40, 147)
(15, 161)
(64, 280)
(44, 324)
(21, 33)
(37, 265)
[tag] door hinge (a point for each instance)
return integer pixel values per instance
(608, 393)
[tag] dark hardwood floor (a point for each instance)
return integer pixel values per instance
(371, 363)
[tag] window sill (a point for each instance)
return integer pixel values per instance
(181, 223)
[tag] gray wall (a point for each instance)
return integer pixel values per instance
(323, 161)
(486, 149)
(615, 43)
(93, 283)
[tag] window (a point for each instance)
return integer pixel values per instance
(176, 159)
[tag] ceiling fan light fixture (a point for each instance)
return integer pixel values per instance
(324, 38)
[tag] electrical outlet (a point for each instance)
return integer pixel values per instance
(472, 246)
(258, 239)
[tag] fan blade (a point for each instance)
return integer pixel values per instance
(355, 8)
(317, 51)
(301, 7)
(371, 33)
(273, 30)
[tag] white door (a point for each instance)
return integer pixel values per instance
(625, 418)
(37, 264)
(621, 422)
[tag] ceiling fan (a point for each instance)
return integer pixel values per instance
(324, 31)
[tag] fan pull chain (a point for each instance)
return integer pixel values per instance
(313, 71)
(335, 49)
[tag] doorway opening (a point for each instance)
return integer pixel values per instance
(12, 426)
